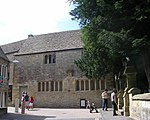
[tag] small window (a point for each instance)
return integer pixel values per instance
(60, 86)
(39, 86)
(54, 58)
(47, 86)
(56, 86)
(82, 84)
(43, 86)
(50, 59)
(77, 85)
(97, 84)
(92, 85)
(52, 85)
(102, 84)
(87, 85)
(45, 59)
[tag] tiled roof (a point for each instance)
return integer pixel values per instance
(12, 47)
(2, 55)
(52, 42)
(47, 42)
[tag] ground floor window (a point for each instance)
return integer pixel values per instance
(90, 85)
(50, 86)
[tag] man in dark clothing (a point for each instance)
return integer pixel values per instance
(26, 100)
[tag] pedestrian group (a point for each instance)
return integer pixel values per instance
(113, 101)
(105, 98)
(26, 102)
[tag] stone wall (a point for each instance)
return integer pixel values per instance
(68, 98)
(140, 107)
(31, 67)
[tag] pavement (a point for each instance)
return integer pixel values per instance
(60, 114)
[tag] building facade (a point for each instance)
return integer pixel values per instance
(4, 65)
(45, 69)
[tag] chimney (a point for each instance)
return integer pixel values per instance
(29, 36)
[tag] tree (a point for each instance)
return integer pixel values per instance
(112, 30)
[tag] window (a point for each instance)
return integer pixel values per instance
(97, 84)
(43, 86)
(39, 86)
(52, 85)
(45, 59)
(54, 58)
(102, 84)
(56, 86)
(92, 85)
(51, 58)
(47, 86)
(77, 85)
(82, 84)
(3, 73)
(60, 86)
(87, 85)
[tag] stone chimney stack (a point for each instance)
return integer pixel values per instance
(30, 35)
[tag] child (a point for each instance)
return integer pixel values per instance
(93, 107)
(31, 102)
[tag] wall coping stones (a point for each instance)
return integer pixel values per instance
(142, 97)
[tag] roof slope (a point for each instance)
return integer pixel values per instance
(12, 47)
(52, 42)
(46, 42)
(2, 55)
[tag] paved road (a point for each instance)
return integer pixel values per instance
(60, 114)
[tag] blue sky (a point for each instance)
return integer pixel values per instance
(19, 18)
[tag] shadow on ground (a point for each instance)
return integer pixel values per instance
(14, 116)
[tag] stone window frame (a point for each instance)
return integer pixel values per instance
(50, 58)
(50, 86)
(3, 74)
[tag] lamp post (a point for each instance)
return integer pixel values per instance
(16, 99)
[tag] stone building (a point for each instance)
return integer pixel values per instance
(43, 65)
(4, 63)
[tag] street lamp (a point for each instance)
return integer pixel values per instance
(16, 100)
(15, 61)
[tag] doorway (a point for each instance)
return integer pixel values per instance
(21, 90)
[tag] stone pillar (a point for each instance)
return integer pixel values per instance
(120, 99)
(131, 82)
(122, 83)
(132, 92)
(16, 105)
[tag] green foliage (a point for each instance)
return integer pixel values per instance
(112, 30)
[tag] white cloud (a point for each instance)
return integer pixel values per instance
(18, 18)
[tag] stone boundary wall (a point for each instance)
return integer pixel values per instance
(140, 107)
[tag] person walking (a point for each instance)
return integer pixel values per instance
(113, 101)
(105, 100)
(22, 104)
(31, 102)
(26, 100)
